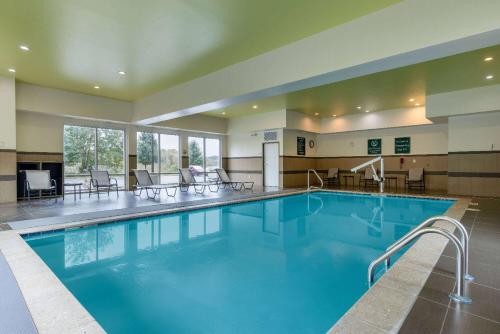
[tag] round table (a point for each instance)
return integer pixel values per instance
(74, 185)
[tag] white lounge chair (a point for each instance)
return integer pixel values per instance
(367, 179)
(39, 181)
(416, 178)
(333, 176)
(100, 179)
(225, 180)
(145, 182)
(187, 180)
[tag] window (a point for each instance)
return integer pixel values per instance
(204, 157)
(87, 148)
(159, 154)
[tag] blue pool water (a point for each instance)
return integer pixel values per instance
(294, 264)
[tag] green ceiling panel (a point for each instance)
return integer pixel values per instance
(76, 44)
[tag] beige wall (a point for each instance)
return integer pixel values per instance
(477, 132)
(463, 102)
(375, 120)
(7, 140)
(428, 139)
(39, 133)
(290, 142)
(201, 123)
(64, 103)
(8, 113)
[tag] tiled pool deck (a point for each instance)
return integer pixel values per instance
(412, 297)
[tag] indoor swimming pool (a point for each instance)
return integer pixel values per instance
(292, 264)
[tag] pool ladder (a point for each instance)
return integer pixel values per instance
(309, 187)
(462, 258)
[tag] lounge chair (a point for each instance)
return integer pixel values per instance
(187, 180)
(145, 182)
(367, 178)
(236, 185)
(333, 176)
(415, 178)
(100, 179)
(39, 181)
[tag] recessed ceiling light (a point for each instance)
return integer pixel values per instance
(334, 115)
(489, 77)
(488, 59)
(358, 107)
(316, 114)
(97, 87)
(24, 47)
(411, 100)
(12, 70)
(417, 104)
(255, 106)
(367, 110)
(122, 73)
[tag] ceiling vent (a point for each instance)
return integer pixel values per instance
(270, 136)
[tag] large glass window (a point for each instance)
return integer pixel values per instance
(159, 154)
(87, 148)
(204, 157)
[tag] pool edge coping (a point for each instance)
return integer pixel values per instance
(64, 313)
(384, 307)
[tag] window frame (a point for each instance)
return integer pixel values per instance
(95, 129)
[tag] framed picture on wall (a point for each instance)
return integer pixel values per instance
(375, 146)
(301, 146)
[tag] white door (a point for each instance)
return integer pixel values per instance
(271, 165)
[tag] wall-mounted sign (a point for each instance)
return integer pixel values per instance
(301, 146)
(375, 146)
(402, 145)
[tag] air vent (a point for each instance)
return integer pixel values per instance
(271, 135)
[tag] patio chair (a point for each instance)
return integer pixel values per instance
(333, 176)
(367, 178)
(39, 181)
(188, 179)
(415, 178)
(145, 182)
(225, 180)
(99, 179)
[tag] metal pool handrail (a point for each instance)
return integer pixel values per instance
(460, 259)
(309, 179)
(464, 240)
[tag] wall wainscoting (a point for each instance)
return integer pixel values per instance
(474, 173)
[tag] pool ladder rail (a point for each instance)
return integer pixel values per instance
(309, 187)
(461, 245)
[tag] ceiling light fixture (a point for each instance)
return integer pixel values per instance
(223, 113)
(316, 114)
(122, 73)
(417, 104)
(334, 115)
(489, 77)
(97, 87)
(255, 106)
(24, 47)
(411, 100)
(367, 110)
(358, 107)
(12, 70)
(488, 59)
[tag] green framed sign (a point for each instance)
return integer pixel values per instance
(402, 145)
(375, 146)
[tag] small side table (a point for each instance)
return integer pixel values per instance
(74, 185)
(391, 178)
(348, 177)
